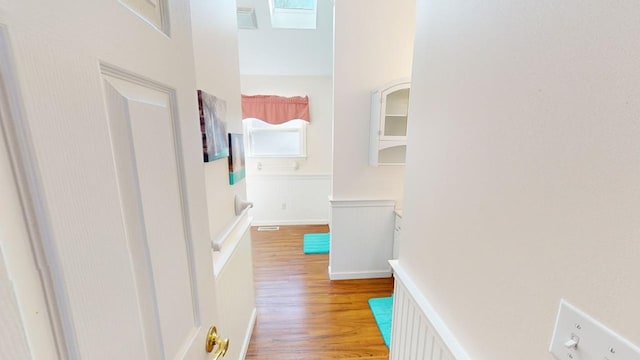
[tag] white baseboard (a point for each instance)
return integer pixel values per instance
(247, 336)
(359, 275)
(291, 222)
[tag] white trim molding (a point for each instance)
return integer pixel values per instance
(357, 203)
(248, 334)
(299, 176)
(27, 177)
(291, 222)
(418, 331)
(226, 243)
(238, 225)
(358, 275)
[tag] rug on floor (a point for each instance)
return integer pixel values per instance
(316, 243)
(382, 310)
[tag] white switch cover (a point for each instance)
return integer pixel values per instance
(578, 336)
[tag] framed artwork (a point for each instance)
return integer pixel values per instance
(212, 124)
(236, 158)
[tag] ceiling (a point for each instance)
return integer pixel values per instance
(268, 51)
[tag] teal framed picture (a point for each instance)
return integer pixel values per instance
(236, 158)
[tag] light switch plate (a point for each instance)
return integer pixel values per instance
(594, 340)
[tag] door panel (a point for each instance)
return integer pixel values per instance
(118, 152)
(142, 123)
(161, 206)
(154, 11)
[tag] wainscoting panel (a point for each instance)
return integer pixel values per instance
(297, 199)
(233, 269)
(418, 332)
(361, 238)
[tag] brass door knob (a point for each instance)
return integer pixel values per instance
(212, 340)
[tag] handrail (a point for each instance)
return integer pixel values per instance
(216, 244)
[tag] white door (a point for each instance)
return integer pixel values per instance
(110, 119)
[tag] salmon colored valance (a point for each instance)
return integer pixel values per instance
(275, 109)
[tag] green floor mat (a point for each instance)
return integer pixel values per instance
(316, 243)
(382, 309)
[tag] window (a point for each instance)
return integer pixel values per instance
(283, 140)
(293, 14)
(295, 4)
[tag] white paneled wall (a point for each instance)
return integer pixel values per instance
(414, 337)
(289, 199)
(361, 238)
(418, 331)
(234, 281)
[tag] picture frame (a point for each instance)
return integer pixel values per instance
(236, 158)
(212, 125)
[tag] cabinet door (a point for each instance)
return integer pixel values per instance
(389, 113)
(393, 122)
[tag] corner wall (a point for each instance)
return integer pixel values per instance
(522, 174)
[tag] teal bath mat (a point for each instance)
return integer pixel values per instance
(316, 243)
(382, 310)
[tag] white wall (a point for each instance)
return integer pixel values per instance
(269, 51)
(296, 199)
(215, 41)
(373, 46)
(303, 191)
(522, 174)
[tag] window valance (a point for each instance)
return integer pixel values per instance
(275, 109)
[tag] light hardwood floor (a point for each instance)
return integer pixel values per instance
(304, 315)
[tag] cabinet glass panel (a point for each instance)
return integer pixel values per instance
(388, 130)
(396, 109)
(398, 102)
(395, 125)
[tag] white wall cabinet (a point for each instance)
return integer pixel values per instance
(389, 113)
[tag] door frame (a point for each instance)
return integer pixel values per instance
(36, 218)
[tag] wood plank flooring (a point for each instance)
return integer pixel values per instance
(304, 315)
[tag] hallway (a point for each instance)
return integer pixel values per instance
(303, 315)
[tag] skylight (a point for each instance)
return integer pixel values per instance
(295, 4)
(293, 14)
